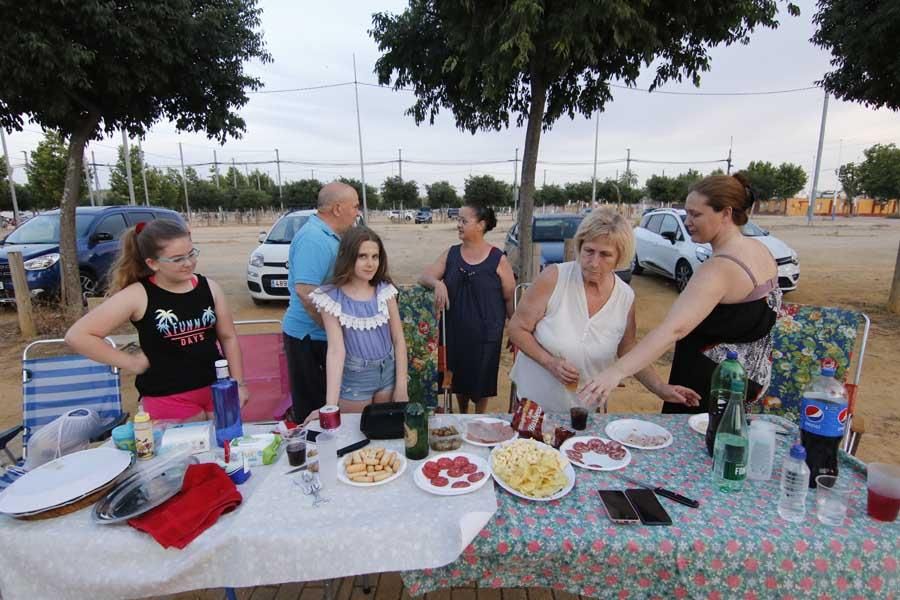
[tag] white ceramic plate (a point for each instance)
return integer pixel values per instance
(63, 480)
(491, 444)
(342, 475)
(423, 482)
(569, 472)
(594, 461)
(629, 431)
(699, 422)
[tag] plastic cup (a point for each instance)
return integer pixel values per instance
(326, 444)
(762, 450)
(883, 482)
(831, 499)
(295, 448)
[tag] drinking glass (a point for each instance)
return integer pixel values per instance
(883, 483)
(326, 444)
(831, 499)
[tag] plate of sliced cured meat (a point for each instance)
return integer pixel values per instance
(639, 434)
(452, 474)
(595, 453)
(488, 431)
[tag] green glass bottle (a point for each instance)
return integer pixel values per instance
(415, 428)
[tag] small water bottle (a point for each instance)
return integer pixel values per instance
(762, 450)
(794, 486)
(227, 405)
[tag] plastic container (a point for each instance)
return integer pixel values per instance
(727, 371)
(762, 450)
(823, 419)
(123, 437)
(732, 447)
(794, 486)
(445, 433)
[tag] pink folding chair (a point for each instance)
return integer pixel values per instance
(265, 372)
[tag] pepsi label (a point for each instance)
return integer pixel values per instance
(826, 419)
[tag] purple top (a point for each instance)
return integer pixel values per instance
(364, 322)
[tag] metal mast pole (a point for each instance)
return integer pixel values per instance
(216, 167)
(187, 203)
(143, 174)
(362, 170)
(9, 177)
(836, 180)
(96, 178)
(87, 177)
(515, 189)
(278, 167)
(127, 153)
(730, 144)
(234, 173)
(594, 176)
(815, 183)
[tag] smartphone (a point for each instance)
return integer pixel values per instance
(311, 435)
(617, 506)
(648, 508)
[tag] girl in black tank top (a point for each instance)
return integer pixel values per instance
(181, 319)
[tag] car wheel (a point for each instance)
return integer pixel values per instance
(636, 268)
(683, 274)
(90, 287)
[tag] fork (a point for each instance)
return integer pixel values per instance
(316, 486)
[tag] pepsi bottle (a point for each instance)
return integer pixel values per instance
(823, 419)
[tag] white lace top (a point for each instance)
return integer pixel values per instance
(364, 322)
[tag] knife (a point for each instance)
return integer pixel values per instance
(662, 492)
(354, 446)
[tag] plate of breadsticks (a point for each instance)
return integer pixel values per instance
(370, 466)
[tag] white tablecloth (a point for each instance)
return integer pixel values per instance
(275, 536)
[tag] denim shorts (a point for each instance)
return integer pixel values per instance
(362, 378)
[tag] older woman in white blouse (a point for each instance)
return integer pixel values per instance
(578, 317)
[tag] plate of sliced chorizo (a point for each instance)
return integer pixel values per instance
(452, 474)
(595, 453)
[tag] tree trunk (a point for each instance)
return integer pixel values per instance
(529, 166)
(894, 297)
(71, 298)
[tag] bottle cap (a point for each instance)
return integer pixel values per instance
(798, 452)
(828, 371)
(141, 416)
(221, 363)
(731, 355)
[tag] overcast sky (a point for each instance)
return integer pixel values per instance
(313, 43)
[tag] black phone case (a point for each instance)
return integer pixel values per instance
(648, 507)
(606, 507)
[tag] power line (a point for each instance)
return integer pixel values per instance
(677, 93)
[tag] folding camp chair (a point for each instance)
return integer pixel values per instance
(802, 338)
(54, 385)
(265, 371)
(420, 329)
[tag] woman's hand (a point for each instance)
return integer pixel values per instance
(138, 363)
(678, 394)
(243, 394)
(596, 392)
(563, 371)
(441, 296)
(312, 417)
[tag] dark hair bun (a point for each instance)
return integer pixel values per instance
(748, 189)
(484, 213)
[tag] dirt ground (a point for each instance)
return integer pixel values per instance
(848, 263)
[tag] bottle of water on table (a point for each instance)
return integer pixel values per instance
(731, 450)
(794, 486)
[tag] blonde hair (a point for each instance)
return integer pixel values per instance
(604, 222)
(131, 265)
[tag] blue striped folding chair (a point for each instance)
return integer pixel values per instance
(54, 385)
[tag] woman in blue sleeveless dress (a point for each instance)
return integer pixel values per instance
(474, 282)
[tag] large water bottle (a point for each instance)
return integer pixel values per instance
(823, 419)
(719, 391)
(227, 405)
(794, 485)
(731, 450)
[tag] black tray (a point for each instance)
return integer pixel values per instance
(383, 421)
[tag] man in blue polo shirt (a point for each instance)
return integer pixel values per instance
(313, 252)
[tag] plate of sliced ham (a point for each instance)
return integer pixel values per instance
(488, 431)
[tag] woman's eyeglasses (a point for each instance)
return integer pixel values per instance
(180, 260)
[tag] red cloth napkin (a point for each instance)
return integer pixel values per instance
(206, 494)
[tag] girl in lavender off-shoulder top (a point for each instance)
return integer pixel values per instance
(366, 359)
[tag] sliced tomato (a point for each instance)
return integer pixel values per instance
(440, 481)
(475, 477)
(461, 484)
(444, 463)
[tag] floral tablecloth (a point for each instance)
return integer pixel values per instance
(733, 546)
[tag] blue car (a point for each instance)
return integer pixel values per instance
(97, 232)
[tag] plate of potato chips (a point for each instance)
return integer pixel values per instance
(371, 466)
(532, 470)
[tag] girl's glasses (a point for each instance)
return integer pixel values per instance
(180, 260)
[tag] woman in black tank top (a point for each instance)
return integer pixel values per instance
(722, 308)
(181, 319)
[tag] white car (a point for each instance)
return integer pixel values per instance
(401, 215)
(663, 246)
(267, 271)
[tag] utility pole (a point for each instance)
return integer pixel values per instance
(516, 186)
(25, 154)
(96, 178)
(628, 167)
(812, 196)
(545, 178)
(258, 184)
(9, 177)
(594, 176)
(278, 167)
(234, 173)
(730, 145)
(247, 173)
(144, 174)
(216, 167)
(400, 163)
(87, 176)
(187, 203)
(362, 170)
(128, 168)
(312, 173)
(836, 180)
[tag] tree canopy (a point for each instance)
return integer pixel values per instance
(535, 61)
(396, 193)
(89, 68)
(488, 191)
(46, 171)
(770, 181)
(879, 174)
(442, 194)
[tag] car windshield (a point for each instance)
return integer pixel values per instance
(44, 229)
(554, 230)
(284, 230)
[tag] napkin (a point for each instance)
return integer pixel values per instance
(206, 494)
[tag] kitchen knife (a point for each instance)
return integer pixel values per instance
(663, 492)
(354, 446)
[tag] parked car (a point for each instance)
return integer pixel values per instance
(452, 213)
(401, 215)
(550, 231)
(97, 232)
(267, 270)
(663, 246)
(423, 215)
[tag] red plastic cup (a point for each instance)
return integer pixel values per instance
(883, 482)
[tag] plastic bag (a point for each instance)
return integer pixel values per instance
(68, 433)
